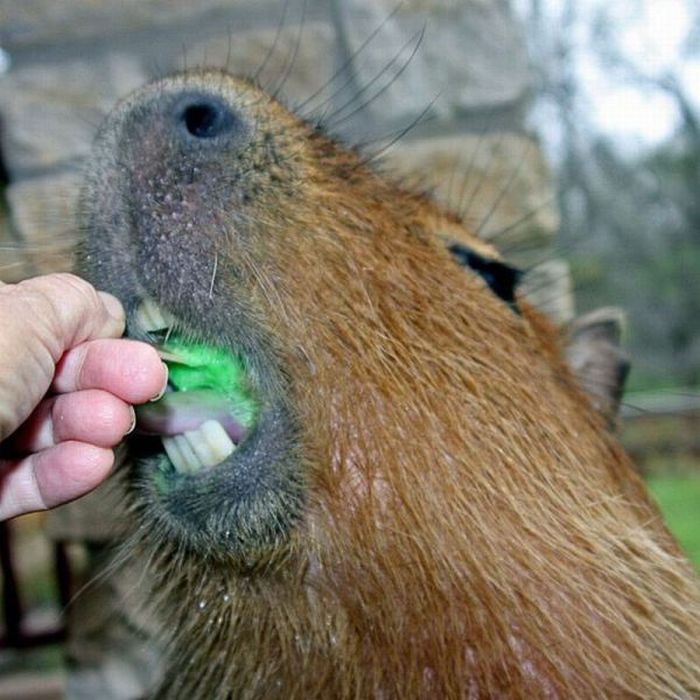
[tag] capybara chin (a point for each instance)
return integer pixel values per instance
(373, 476)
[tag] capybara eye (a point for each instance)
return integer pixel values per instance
(502, 279)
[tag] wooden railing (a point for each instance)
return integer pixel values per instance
(674, 402)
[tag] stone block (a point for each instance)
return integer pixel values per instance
(43, 210)
(498, 184)
(50, 112)
(33, 22)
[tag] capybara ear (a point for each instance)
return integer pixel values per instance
(600, 365)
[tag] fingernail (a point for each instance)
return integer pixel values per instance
(113, 306)
(159, 395)
(133, 422)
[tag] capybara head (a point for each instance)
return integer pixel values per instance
(373, 476)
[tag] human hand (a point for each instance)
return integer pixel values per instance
(67, 382)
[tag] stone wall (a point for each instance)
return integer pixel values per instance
(370, 67)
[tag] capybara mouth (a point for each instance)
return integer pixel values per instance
(208, 408)
(214, 458)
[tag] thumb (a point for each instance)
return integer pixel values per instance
(41, 318)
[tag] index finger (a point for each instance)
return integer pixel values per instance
(128, 369)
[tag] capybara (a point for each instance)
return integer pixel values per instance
(374, 475)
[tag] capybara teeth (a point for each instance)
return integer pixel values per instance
(207, 446)
(181, 454)
(152, 317)
(169, 356)
(210, 443)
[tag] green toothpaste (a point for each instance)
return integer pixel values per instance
(202, 367)
(206, 384)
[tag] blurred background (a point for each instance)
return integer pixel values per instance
(565, 131)
(617, 110)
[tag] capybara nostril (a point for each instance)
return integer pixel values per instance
(205, 117)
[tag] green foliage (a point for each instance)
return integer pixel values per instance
(211, 368)
(679, 500)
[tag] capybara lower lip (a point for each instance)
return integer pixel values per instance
(215, 456)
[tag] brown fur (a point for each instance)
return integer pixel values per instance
(470, 528)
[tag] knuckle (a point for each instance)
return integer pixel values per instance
(82, 291)
(66, 300)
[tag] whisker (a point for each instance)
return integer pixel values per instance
(452, 177)
(504, 190)
(334, 120)
(213, 275)
(519, 222)
(278, 32)
(229, 48)
(688, 394)
(415, 122)
(466, 176)
(483, 177)
(362, 145)
(348, 62)
(295, 51)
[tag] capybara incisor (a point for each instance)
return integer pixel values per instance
(373, 476)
